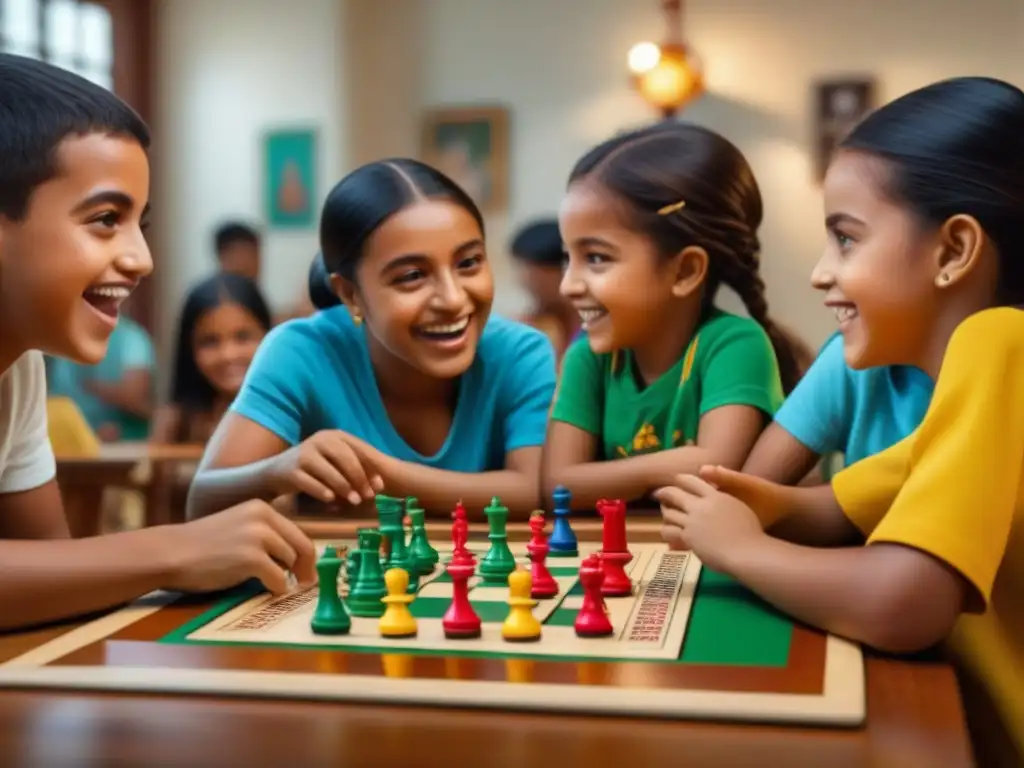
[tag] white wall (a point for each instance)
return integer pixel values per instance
(228, 70)
(560, 66)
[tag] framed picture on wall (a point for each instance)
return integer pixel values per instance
(471, 145)
(290, 178)
(839, 105)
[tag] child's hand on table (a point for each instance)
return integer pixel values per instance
(330, 466)
(769, 501)
(248, 540)
(697, 516)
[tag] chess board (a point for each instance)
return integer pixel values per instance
(689, 643)
(649, 624)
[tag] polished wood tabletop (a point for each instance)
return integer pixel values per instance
(914, 718)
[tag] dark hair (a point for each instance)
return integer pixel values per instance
(232, 232)
(41, 105)
(364, 200)
(670, 163)
(190, 389)
(957, 147)
(539, 242)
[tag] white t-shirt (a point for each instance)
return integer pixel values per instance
(26, 456)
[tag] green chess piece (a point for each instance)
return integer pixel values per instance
(352, 567)
(390, 513)
(499, 562)
(424, 556)
(330, 616)
(364, 595)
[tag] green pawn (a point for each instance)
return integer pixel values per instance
(364, 595)
(330, 617)
(424, 556)
(499, 562)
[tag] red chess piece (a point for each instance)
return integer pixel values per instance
(460, 620)
(615, 553)
(460, 536)
(543, 583)
(592, 620)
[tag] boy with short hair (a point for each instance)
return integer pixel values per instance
(74, 189)
(238, 249)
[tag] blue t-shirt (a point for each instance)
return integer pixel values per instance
(836, 409)
(315, 373)
(129, 349)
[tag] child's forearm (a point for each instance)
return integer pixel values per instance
(46, 581)
(850, 592)
(813, 517)
(630, 478)
(214, 489)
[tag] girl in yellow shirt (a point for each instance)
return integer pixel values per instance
(924, 207)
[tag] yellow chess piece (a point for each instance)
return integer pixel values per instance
(397, 620)
(521, 625)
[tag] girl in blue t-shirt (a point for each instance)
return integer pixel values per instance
(407, 385)
(836, 411)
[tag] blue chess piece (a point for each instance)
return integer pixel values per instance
(562, 540)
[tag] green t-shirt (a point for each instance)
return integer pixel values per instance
(730, 361)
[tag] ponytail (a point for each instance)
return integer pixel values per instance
(738, 269)
(319, 285)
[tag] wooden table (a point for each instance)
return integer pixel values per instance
(83, 479)
(914, 719)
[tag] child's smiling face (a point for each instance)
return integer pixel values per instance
(424, 287)
(614, 277)
(224, 342)
(78, 252)
(880, 268)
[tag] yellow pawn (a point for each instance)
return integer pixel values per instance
(521, 625)
(397, 620)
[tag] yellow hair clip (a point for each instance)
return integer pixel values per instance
(671, 208)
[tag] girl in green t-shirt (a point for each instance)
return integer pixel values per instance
(663, 382)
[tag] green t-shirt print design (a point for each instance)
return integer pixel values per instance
(729, 361)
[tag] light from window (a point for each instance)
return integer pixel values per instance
(72, 34)
(62, 33)
(20, 27)
(97, 44)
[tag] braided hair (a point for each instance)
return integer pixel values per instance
(688, 186)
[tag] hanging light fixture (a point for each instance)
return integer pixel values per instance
(669, 76)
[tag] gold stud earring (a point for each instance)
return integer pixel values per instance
(945, 277)
(357, 319)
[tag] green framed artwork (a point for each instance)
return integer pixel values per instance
(471, 145)
(290, 178)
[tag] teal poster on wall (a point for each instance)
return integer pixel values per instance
(290, 183)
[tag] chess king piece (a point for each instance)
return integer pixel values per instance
(544, 584)
(614, 552)
(365, 593)
(562, 542)
(592, 619)
(460, 621)
(397, 620)
(520, 625)
(330, 616)
(499, 562)
(424, 556)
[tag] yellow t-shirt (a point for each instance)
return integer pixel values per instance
(954, 489)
